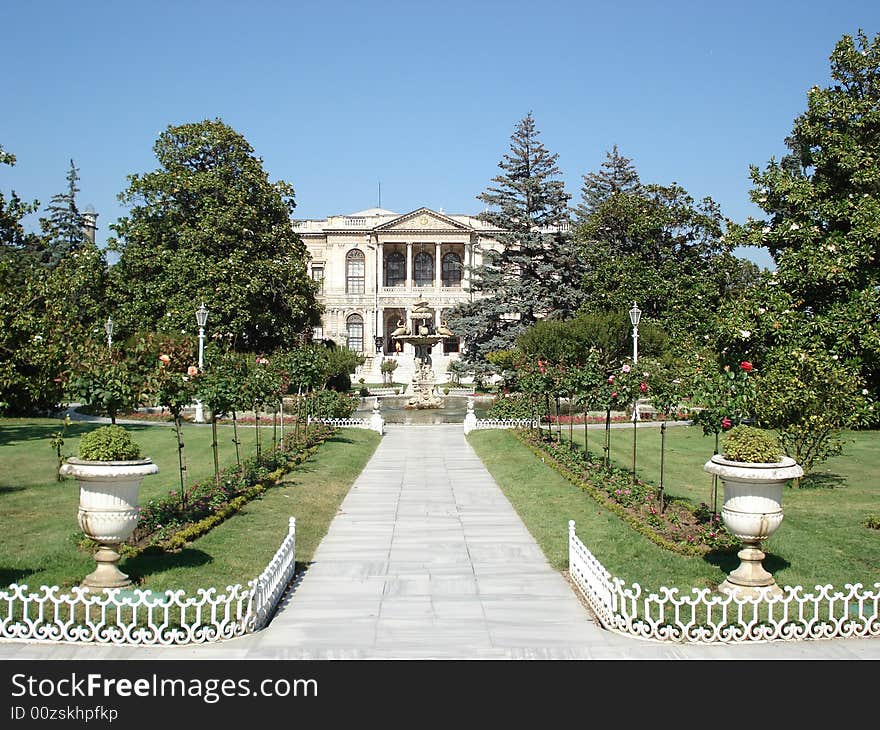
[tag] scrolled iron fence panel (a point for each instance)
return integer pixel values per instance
(486, 423)
(342, 422)
(142, 617)
(707, 617)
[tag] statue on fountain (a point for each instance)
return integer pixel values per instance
(423, 384)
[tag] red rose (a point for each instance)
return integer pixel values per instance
(643, 387)
(745, 365)
(614, 394)
(726, 423)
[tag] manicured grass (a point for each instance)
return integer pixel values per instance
(820, 541)
(239, 549)
(37, 542)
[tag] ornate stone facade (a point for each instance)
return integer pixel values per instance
(374, 265)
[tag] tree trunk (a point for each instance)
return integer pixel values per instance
(235, 439)
(181, 460)
(214, 448)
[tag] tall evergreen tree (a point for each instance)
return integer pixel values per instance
(528, 279)
(616, 175)
(62, 228)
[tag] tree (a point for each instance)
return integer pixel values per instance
(13, 238)
(808, 398)
(822, 202)
(528, 279)
(63, 226)
(208, 226)
(46, 316)
(656, 245)
(617, 175)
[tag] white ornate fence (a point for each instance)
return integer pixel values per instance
(484, 423)
(140, 617)
(708, 617)
(472, 423)
(373, 423)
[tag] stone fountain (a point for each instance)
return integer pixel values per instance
(423, 339)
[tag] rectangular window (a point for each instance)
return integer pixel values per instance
(450, 344)
(318, 277)
(317, 333)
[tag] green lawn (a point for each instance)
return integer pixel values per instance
(820, 540)
(38, 513)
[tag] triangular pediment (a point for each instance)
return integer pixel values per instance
(423, 219)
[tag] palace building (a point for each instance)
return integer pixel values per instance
(375, 265)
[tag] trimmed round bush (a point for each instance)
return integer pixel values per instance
(751, 445)
(108, 443)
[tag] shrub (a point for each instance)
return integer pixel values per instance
(108, 443)
(364, 392)
(331, 404)
(752, 445)
(515, 405)
(807, 397)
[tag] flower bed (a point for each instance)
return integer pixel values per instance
(676, 526)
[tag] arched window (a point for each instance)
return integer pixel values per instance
(354, 272)
(451, 269)
(423, 265)
(355, 330)
(395, 269)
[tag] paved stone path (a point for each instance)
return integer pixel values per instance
(427, 559)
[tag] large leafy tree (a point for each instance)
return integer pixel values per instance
(44, 314)
(529, 278)
(822, 202)
(656, 245)
(208, 226)
(13, 237)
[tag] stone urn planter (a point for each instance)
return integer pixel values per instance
(108, 507)
(752, 511)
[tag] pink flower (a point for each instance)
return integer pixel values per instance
(192, 370)
(614, 394)
(726, 423)
(262, 361)
(541, 367)
(610, 378)
(164, 359)
(746, 365)
(643, 387)
(625, 369)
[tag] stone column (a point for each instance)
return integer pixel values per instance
(409, 270)
(380, 267)
(437, 267)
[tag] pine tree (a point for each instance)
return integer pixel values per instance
(616, 175)
(63, 227)
(528, 279)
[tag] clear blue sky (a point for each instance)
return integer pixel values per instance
(338, 96)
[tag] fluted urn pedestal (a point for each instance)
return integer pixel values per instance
(108, 511)
(752, 511)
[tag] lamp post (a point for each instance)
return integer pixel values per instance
(108, 328)
(201, 319)
(635, 314)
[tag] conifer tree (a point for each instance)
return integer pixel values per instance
(63, 226)
(616, 175)
(528, 279)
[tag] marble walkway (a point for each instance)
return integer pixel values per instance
(427, 559)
